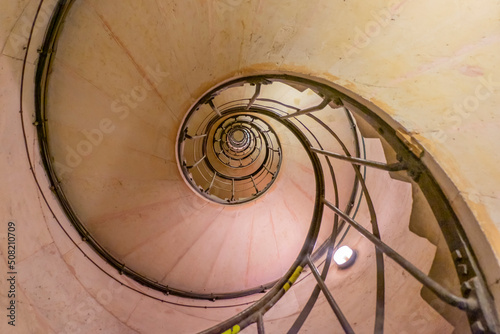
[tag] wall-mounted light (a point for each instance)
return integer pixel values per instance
(344, 257)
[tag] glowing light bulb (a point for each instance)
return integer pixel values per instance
(344, 257)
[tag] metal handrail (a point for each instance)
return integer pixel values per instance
(477, 301)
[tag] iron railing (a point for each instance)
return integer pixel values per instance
(211, 157)
(47, 54)
(477, 306)
(476, 301)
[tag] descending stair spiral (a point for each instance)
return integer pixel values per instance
(237, 145)
(234, 159)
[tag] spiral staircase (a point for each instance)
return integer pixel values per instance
(215, 205)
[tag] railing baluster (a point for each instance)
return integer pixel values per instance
(232, 193)
(320, 106)
(211, 183)
(195, 137)
(253, 182)
(214, 108)
(254, 97)
(336, 309)
(196, 163)
(468, 304)
(358, 161)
